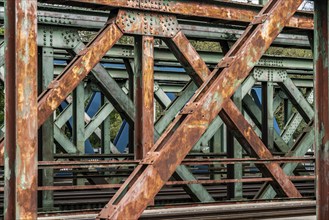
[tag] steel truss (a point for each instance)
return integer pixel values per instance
(214, 99)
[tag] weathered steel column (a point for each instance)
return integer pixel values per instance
(21, 110)
(130, 72)
(78, 117)
(234, 150)
(267, 114)
(144, 98)
(47, 130)
(321, 86)
(106, 131)
(79, 122)
(219, 140)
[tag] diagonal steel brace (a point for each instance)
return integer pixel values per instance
(147, 180)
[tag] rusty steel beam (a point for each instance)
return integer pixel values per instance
(21, 146)
(199, 72)
(144, 98)
(77, 70)
(160, 163)
(321, 124)
(223, 10)
(248, 138)
(188, 57)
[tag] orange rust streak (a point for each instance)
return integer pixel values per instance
(77, 71)
(201, 69)
(144, 122)
(73, 74)
(26, 147)
(259, 148)
(232, 12)
(149, 182)
(191, 56)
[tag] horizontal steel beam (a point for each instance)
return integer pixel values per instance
(56, 17)
(232, 12)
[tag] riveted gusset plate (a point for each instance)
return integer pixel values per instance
(143, 23)
(269, 75)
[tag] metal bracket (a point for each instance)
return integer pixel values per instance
(146, 23)
(150, 158)
(189, 108)
(269, 75)
(225, 62)
(133, 3)
(259, 19)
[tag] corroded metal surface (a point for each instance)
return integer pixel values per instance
(144, 98)
(145, 20)
(222, 10)
(190, 58)
(147, 180)
(187, 56)
(247, 137)
(142, 23)
(21, 112)
(78, 69)
(321, 107)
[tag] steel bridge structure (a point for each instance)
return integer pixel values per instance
(231, 130)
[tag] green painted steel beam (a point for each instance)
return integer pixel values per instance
(295, 120)
(111, 89)
(268, 114)
(106, 130)
(255, 113)
(196, 191)
(235, 150)
(78, 110)
(91, 20)
(98, 119)
(47, 129)
(161, 96)
(63, 142)
(300, 149)
(298, 99)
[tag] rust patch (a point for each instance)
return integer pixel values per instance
(144, 23)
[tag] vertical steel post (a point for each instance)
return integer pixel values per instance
(287, 115)
(21, 110)
(267, 114)
(234, 150)
(217, 145)
(47, 130)
(106, 131)
(78, 121)
(131, 96)
(321, 85)
(144, 98)
(287, 110)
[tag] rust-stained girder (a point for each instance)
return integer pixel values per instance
(199, 72)
(321, 126)
(247, 137)
(20, 152)
(75, 72)
(144, 98)
(222, 10)
(152, 173)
